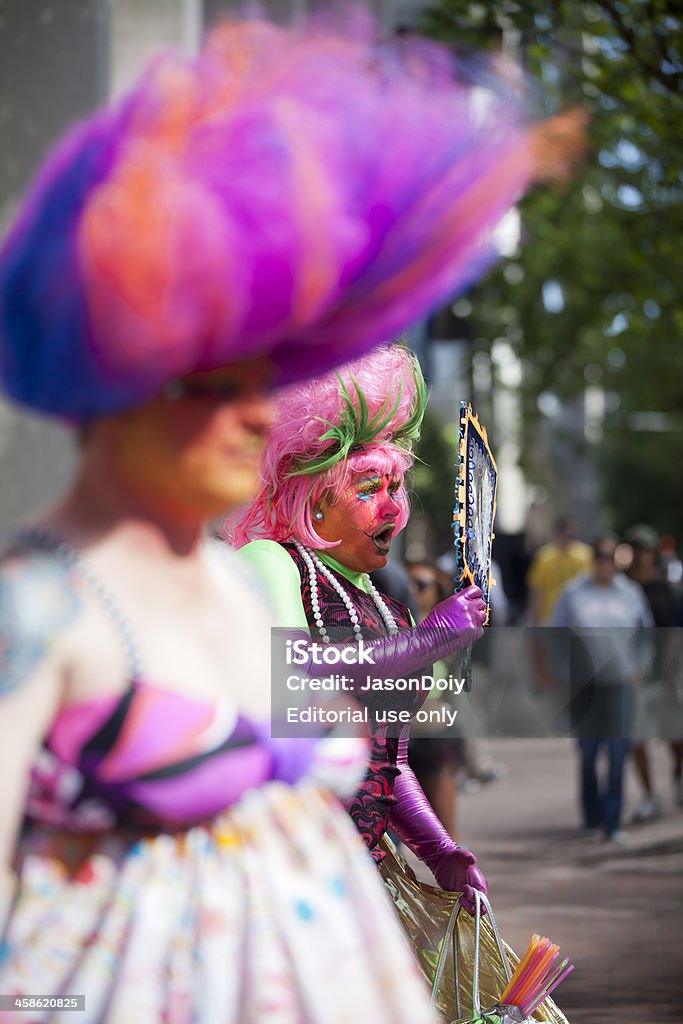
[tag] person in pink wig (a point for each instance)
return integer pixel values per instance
(333, 498)
(246, 219)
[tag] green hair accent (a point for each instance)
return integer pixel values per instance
(357, 429)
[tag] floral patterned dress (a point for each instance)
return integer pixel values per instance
(177, 865)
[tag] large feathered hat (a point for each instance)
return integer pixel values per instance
(304, 193)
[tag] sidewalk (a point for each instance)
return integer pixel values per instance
(616, 911)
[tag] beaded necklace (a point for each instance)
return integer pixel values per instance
(315, 566)
(45, 540)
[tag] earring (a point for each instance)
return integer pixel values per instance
(319, 515)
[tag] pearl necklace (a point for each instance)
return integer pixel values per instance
(45, 540)
(315, 566)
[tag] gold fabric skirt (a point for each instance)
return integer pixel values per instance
(425, 912)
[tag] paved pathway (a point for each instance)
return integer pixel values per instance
(618, 912)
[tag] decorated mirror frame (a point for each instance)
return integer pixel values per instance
(475, 506)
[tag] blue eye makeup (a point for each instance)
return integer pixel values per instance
(372, 485)
(369, 487)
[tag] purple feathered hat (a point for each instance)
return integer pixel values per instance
(303, 193)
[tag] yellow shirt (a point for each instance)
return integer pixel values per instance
(552, 568)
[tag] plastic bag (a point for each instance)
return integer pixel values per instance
(444, 940)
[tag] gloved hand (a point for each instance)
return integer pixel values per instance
(454, 623)
(412, 818)
(460, 615)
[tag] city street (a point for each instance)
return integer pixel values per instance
(616, 911)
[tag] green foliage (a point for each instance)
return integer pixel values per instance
(610, 240)
(631, 470)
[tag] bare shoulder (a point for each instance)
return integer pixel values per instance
(38, 603)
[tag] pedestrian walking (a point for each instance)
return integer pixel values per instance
(608, 658)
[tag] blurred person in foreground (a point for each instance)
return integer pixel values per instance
(238, 221)
(653, 708)
(608, 658)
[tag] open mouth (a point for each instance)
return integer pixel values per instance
(382, 538)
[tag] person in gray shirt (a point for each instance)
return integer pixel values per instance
(608, 656)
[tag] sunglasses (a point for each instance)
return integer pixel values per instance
(423, 584)
(218, 391)
(604, 556)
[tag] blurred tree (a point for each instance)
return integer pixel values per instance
(593, 298)
(434, 480)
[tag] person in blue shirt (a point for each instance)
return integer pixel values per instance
(608, 656)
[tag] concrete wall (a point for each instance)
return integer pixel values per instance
(58, 61)
(54, 59)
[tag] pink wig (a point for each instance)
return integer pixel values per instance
(362, 418)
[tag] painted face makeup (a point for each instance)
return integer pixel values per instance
(364, 520)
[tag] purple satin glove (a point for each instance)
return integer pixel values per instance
(413, 819)
(454, 623)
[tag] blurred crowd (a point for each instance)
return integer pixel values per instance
(626, 585)
(625, 675)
